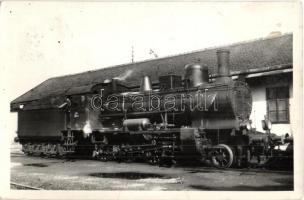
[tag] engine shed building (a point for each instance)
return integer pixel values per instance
(265, 64)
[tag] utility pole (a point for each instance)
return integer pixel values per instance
(132, 54)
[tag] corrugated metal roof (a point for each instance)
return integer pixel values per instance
(259, 53)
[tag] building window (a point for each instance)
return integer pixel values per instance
(278, 104)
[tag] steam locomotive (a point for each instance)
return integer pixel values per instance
(194, 117)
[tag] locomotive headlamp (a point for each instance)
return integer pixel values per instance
(248, 126)
(87, 129)
(269, 124)
(266, 124)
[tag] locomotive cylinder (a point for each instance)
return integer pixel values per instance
(196, 75)
(137, 124)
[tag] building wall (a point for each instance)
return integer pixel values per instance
(291, 108)
(259, 107)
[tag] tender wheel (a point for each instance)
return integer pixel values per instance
(152, 157)
(104, 158)
(60, 150)
(222, 156)
(154, 160)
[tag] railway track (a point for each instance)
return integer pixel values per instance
(24, 187)
(112, 176)
(195, 166)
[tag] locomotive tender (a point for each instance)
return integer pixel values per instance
(194, 117)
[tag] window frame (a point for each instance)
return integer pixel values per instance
(277, 98)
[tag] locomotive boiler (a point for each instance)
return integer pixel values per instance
(190, 117)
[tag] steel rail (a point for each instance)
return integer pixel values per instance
(25, 186)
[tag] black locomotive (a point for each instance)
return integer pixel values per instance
(194, 117)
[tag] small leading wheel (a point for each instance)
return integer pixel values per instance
(222, 156)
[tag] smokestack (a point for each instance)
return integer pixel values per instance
(223, 66)
(145, 85)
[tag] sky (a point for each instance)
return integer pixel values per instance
(40, 40)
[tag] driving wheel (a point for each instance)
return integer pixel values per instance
(222, 156)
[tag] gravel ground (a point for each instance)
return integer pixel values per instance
(60, 174)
